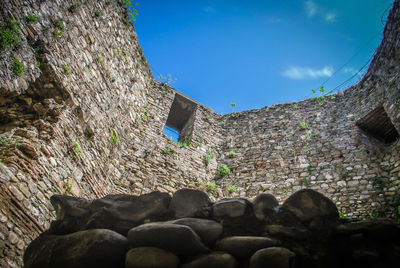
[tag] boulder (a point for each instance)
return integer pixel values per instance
(244, 246)
(308, 204)
(377, 229)
(187, 203)
(149, 257)
(115, 212)
(286, 232)
(72, 214)
(237, 217)
(122, 212)
(273, 257)
(178, 239)
(209, 231)
(85, 249)
(264, 207)
(213, 260)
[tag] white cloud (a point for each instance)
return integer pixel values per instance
(311, 8)
(314, 10)
(209, 9)
(330, 17)
(350, 70)
(298, 73)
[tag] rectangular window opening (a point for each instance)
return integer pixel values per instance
(179, 125)
(377, 124)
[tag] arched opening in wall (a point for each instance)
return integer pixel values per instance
(179, 125)
(378, 125)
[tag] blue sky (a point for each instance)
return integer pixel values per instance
(258, 53)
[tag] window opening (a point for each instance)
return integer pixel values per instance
(378, 124)
(171, 133)
(179, 125)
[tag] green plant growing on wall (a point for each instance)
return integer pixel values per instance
(66, 69)
(74, 7)
(31, 18)
(199, 183)
(208, 157)
(232, 189)
(77, 150)
(59, 28)
(98, 13)
(4, 139)
(294, 152)
(99, 60)
(224, 171)
(231, 154)
(321, 95)
(67, 187)
(10, 34)
(144, 117)
(131, 7)
(309, 168)
(186, 142)
(344, 175)
(167, 79)
(308, 136)
(114, 137)
(168, 151)
(233, 106)
(18, 67)
(306, 182)
(303, 124)
(211, 187)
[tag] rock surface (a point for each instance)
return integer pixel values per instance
(207, 230)
(244, 246)
(304, 233)
(179, 239)
(213, 260)
(147, 257)
(84, 249)
(264, 207)
(274, 257)
(188, 203)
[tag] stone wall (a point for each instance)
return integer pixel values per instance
(286, 147)
(86, 119)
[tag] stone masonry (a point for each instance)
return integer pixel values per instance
(86, 119)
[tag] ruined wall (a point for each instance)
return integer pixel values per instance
(86, 119)
(275, 152)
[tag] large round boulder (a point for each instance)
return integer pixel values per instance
(179, 239)
(273, 257)
(213, 260)
(244, 246)
(187, 203)
(98, 248)
(264, 207)
(237, 217)
(209, 231)
(308, 205)
(148, 257)
(122, 212)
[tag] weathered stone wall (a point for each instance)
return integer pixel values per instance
(275, 153)
(72, 123)
(86, 119)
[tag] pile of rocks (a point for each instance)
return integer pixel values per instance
(188, 230)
